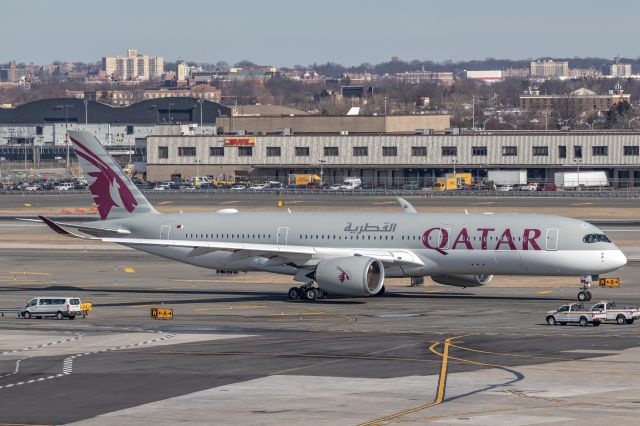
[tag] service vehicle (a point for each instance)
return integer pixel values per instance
(65, 186)
(350, 184)
(584, 179)
(303, 179)
(52, 306)
(621, 315)
(507, 177)
(574, 313)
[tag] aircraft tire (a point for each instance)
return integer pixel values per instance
(310, 295)
(582, 296)
(589, 295)
(294, 293)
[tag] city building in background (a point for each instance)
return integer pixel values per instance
(133, 66)
(618, 69)
(549, 69)
(578, 100)
(485, 76)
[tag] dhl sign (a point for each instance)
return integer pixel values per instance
(243, 141)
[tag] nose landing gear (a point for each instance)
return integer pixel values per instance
(584, 295)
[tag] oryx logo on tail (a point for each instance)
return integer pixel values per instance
(343, 276)
(107, 188)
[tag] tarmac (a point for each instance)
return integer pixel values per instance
(239, 352)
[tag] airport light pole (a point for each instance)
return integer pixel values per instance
(66, 129)
(577, 162)
(200, 101)
(454, 166)
(86, 116)
(322, 171)
(473, 113)
(170, 105)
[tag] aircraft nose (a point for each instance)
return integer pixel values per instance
(617, 259)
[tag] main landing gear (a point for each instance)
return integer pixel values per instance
(584, 295)
(308, 293)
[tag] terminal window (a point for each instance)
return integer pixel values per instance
(577, 151)
(418, 151)
(216, 151)
(600, 150)
(273, 151)
(509, 151)
(479, 151)
(448, 151)
(541, 151)
(389, 151)
(562, 151)
(631, 150)
(186, 151)
(330, 151)
(360, 151)
(163, 152)
(245, 151)
(302, 151)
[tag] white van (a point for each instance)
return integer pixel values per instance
(350, 184)
(52, 306)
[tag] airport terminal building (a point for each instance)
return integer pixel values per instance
(388, 159)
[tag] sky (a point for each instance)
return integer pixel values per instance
(287, 32)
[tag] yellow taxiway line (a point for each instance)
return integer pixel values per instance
(442, 382)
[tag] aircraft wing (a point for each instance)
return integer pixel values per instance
(296, 254)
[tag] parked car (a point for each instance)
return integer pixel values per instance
(238, 187)
(505, 188)
(162, 186)
(52, 306)
(548, 187)
(64, 186)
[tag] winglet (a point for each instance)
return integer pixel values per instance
(51, 224)
(60, 230)
(406, 206)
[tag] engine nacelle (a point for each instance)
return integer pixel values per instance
(463, 280)
(350, 276)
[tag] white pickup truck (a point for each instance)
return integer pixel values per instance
(574, 313)
(621, 315)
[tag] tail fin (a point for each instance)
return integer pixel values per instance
(113, 192)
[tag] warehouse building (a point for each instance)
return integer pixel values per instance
(393, 159)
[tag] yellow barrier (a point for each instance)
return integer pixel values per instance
(85, 308)
(609, 282)
(162, 313)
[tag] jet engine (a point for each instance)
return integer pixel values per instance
(350, 276)
(463, 280)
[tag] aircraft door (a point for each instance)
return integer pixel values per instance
(165, 230)
(552, 239)
(283, 234)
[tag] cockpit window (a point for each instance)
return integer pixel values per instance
(596, 238)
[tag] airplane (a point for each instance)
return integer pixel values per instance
(341, 253)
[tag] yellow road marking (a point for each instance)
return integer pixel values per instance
(129, 270)
(481, 204)
(21, 281)
(442, 381)
(30, 273)
(435, 291)
(545, 292)
(27, 205)
(162, 203)
(581, 204)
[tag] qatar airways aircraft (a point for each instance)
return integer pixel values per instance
(347, 254)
